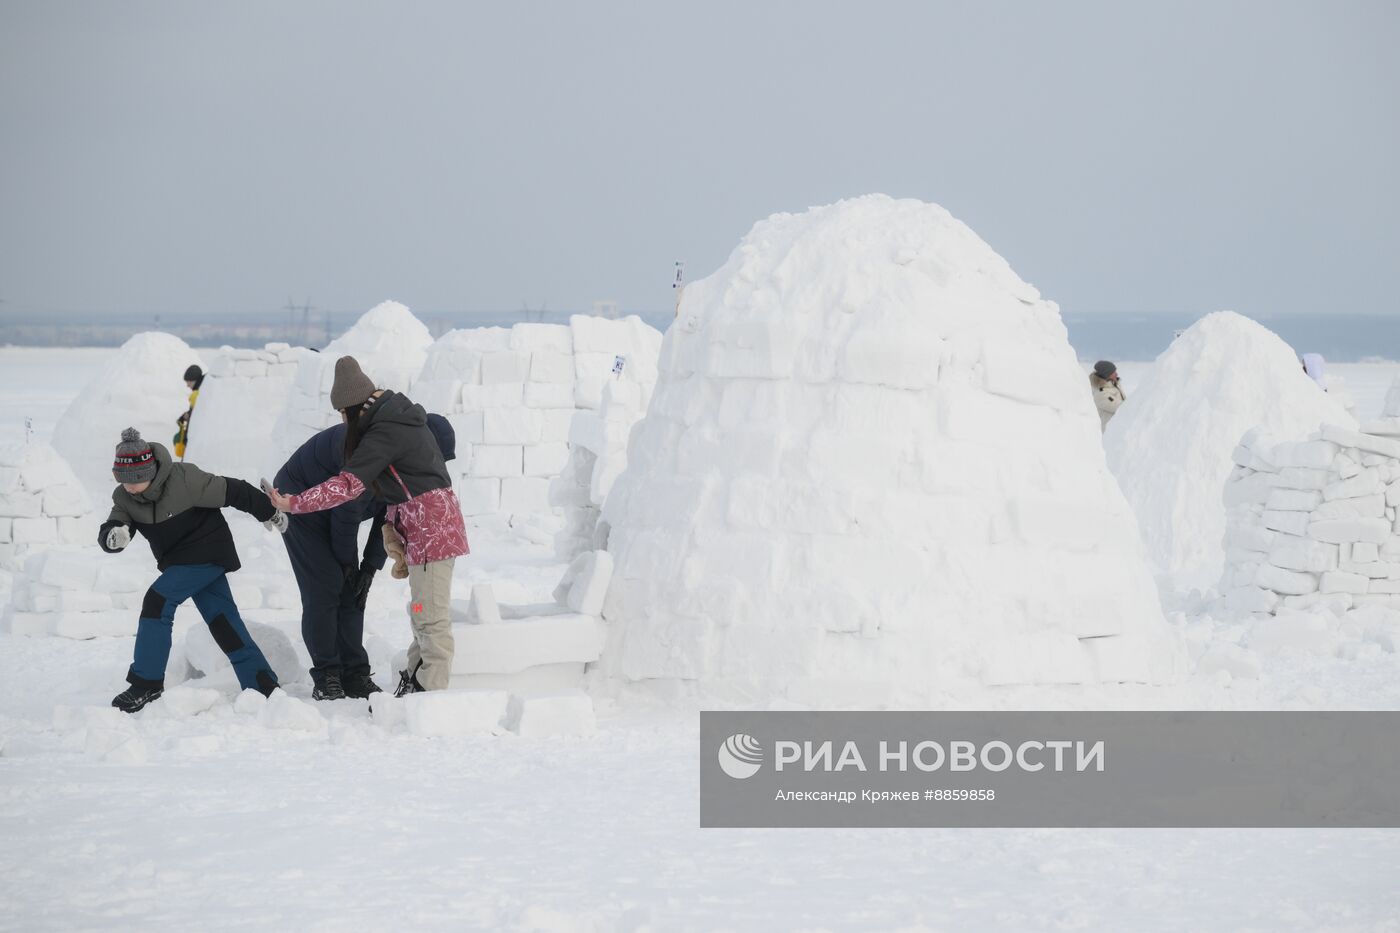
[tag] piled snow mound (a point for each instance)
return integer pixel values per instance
(871, 470)
(1312, 524)
(518, 398)
(141, 386)
(1171, 442)
(391, 345)
(41, 503)
(244, 393)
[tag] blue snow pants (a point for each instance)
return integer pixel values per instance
(207, 585)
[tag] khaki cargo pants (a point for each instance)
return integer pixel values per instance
(430, 593)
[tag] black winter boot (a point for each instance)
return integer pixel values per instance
(360, 685)
(408, 683)
(327, 687)
(140, 693)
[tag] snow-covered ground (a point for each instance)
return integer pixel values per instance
(195, 814)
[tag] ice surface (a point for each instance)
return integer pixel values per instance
(908, 481)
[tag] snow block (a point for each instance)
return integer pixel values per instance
(388, 711)
(498, 395)
(468, 426)
(556, 395)
(184, 702)
(455, 712)
(497, 461)
(1310, 454)
(521, 495)
(208, 658)
(1303, 554)
(591, 573)
(551, 715)
(505, 367)
(34, 531)
(517, 644)
(478, 495)
(1288, 582)
(1341, 582)
(1365, 483)
(1364, 507)
(1364, 552)
(545, 459)
(555, 423)
(511, 426)
(284, 711)
(1302, 478)
(531, 336)
(112, 623)
(1337, 531)
(550, 366)
(482, 608)
(66, 570)
(1293, 500)
(1344, 437)
(1293, 523)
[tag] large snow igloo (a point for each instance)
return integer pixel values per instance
(871, 470)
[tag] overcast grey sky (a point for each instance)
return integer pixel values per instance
(1168, 156)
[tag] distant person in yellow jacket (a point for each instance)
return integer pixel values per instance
(194, 378)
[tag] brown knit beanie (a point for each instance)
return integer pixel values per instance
(351, 386)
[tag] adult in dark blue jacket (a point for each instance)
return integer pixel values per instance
(333, 576)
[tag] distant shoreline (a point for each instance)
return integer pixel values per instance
(1126, 335)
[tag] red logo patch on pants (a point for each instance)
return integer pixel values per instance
(417, 607)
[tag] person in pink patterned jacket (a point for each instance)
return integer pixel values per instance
(390, 451)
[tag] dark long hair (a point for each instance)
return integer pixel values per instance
(354, 431)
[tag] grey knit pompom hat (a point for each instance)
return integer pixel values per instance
(351, 386)
(136, 459)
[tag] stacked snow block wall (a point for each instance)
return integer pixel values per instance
(79, 592)
(870, 471)
(42, 504)
(243, 395)
(597, 457)
(533, 647)
(513, 395)
(1313, 523)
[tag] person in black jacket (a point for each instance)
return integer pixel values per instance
(391, 451)
(176, 508)
(334, 579)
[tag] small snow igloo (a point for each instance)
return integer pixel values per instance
(391, 345)
(870, 471)
(141, 386)
(1170, 445)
